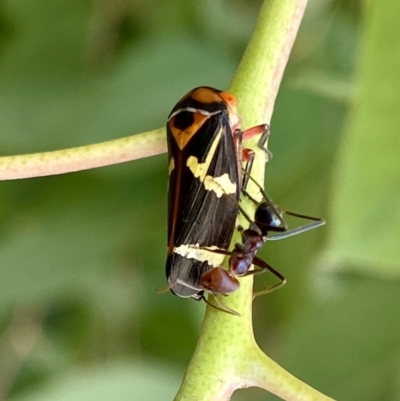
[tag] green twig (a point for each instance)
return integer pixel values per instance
(84, 157)
(227, 357)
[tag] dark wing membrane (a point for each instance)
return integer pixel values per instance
(197, 215)
(193, 271)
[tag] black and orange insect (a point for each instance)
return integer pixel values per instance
(205, 174)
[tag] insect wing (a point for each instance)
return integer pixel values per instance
(199, 213)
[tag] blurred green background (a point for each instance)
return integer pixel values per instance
(81, 254)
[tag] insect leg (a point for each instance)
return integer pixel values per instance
(220, 306)
(262, 265)
(178, 281)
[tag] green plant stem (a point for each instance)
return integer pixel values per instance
(84, 157)
(227, 357)
(260, 72)
(265, 373)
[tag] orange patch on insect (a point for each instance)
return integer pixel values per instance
(183, 136)
(207, 95)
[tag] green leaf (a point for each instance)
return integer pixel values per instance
(365, 227)
(349, 344)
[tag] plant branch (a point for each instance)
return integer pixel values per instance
(265, 373)
(227, 357)
(64, 161)
(260, 72)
